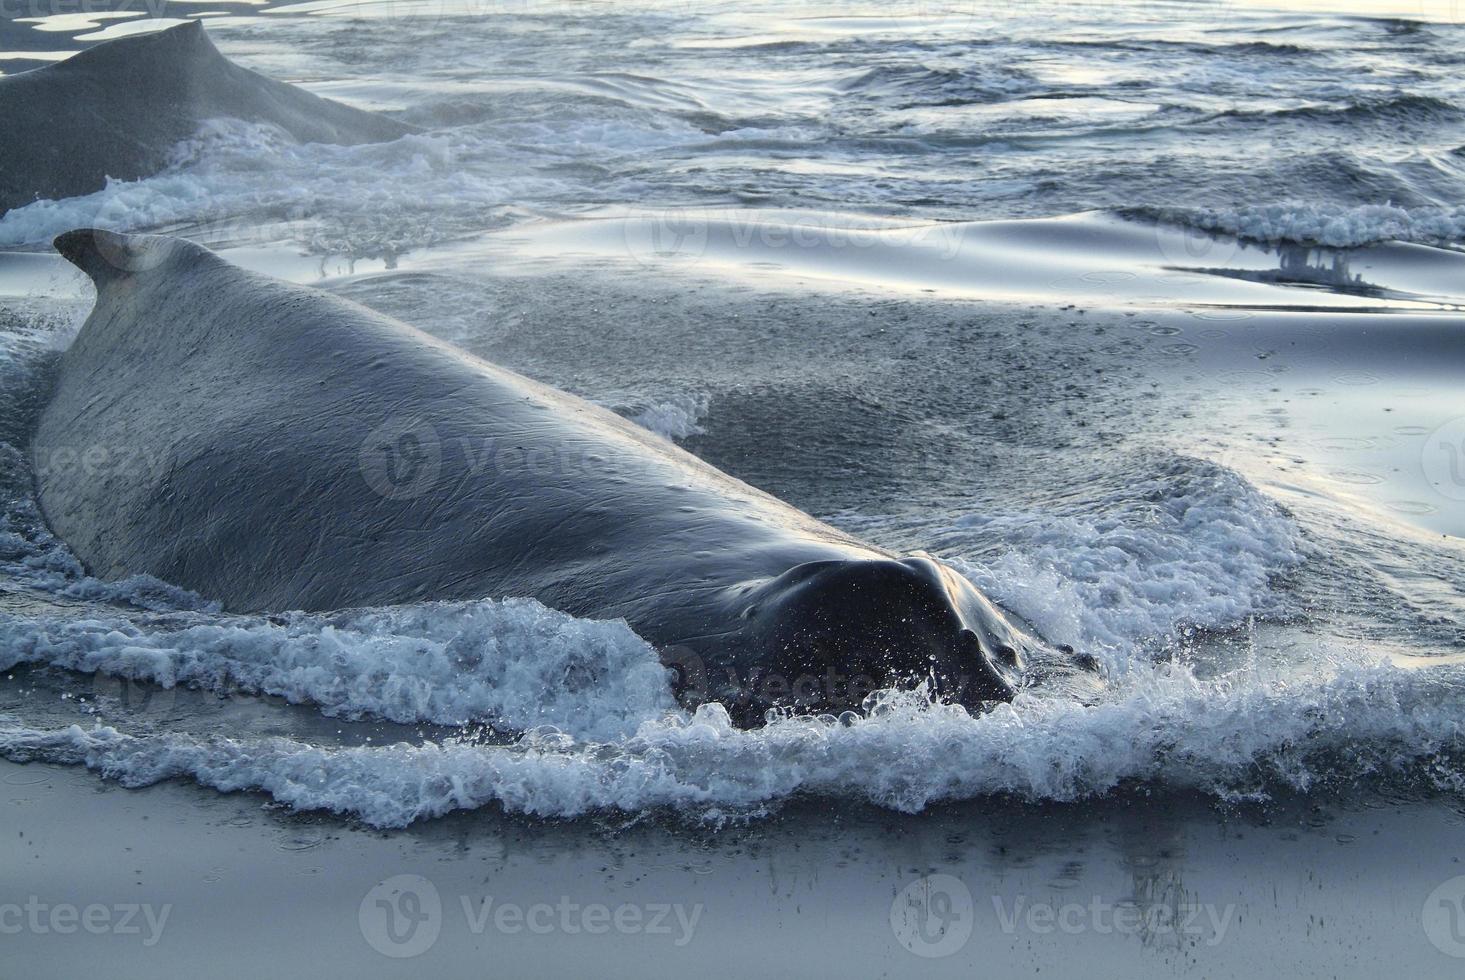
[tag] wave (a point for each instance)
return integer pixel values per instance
(1263, 48)
(1191, 544)
(1239, 738)
(1394, 109)
(1153, 550)
(243, 182)
(676, 418)
(1335, 226)
(1151, 45)
(1397, 25)
(513, 664)
(911, 86)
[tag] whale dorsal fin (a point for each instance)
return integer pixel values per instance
(179, 46)
(106, 256)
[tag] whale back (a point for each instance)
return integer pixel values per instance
(273, 446)
(117, 109)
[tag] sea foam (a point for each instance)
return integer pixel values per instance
(513, 664)
(1332, 225)
(1238, 738)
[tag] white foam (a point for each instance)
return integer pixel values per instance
(1237, 737)
(675, 418)
(1183, 544)
(515, 664)
(1334, 225)
(238, 181)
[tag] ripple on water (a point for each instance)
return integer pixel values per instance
(1358, 478)
(1416, 508)
(1346, 444)
(1105, 278)
(301, 842)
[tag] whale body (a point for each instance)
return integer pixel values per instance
(276, 447)
(118, 108)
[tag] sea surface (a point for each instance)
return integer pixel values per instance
(1146, 316)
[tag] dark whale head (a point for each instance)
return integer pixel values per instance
(825, 634)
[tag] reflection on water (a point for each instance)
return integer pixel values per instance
(1331, 268)
(1298, 265)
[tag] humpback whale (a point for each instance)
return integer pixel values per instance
(117, 108)
(275, 447)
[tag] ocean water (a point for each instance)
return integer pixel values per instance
(1145, 315)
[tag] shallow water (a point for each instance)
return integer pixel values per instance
(1159, 890)
(956, 278)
